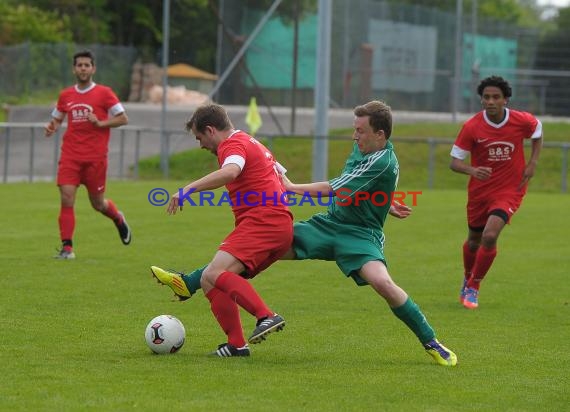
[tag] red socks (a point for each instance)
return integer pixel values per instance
(66, 223)
(226, 312)
(483, 261)
(230, 291)
(241, 291)
(112, 212)
(67, 219)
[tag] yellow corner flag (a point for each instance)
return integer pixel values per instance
(252, 118)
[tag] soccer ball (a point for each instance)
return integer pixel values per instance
(165, 334)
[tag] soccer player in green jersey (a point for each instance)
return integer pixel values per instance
(351, 231)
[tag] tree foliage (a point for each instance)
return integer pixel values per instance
(129, 23)
(522, 12)
(552, 56)
(21, 23)
(89, 19)
(194, 33)
(562, 21)
(193, 24)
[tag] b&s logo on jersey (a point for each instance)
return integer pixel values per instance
(79, 112)
(500, 151)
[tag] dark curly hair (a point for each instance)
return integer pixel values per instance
(496, 81)
(84, 53)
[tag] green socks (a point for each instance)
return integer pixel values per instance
(412, 316)
(192, 280)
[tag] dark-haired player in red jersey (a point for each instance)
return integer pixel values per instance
(493, 138)
(262, 234)
(91, 111)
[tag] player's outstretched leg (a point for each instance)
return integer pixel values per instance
(173, 280)
(440, 353)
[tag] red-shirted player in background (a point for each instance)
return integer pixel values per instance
(91, 111)
(494, 139)
(263, 229)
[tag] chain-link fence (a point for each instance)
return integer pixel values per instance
(403, 54)
(32, 72)
(25, 155)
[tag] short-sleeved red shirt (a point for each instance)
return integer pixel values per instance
(83, 140)
(498, 146)
(259, 183)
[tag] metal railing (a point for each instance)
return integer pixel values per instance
(433, 143)
(26, 159)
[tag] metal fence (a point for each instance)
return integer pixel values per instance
(33, 71)
(28, 156)
(405, 54)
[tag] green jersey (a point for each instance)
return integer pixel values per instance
(364, 190)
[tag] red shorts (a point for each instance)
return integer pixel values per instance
(478, 211)
(92, 174)
(260, 238)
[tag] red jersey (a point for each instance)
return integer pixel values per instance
(259, 183)
(82, 139)
(498, 146)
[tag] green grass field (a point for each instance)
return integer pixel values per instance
(73, 331)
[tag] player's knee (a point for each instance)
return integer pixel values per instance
(210, 275)
(384, 285)
(473, 245)
(67, 200)
(489, 239)
(99, 207)
(205, 283)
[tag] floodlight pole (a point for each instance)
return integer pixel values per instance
(322, 92)
(219, 44)
(164, 146)
(456, 89)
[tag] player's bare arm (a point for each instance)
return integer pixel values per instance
(213, 180)
(116, 121)
(459, 166)
(313, 189)
(52, 127)
(536, 146)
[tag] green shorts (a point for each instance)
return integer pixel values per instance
(350, 246)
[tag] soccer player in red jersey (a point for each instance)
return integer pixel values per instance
(263, 229)
(91, 111)
(493, 138)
